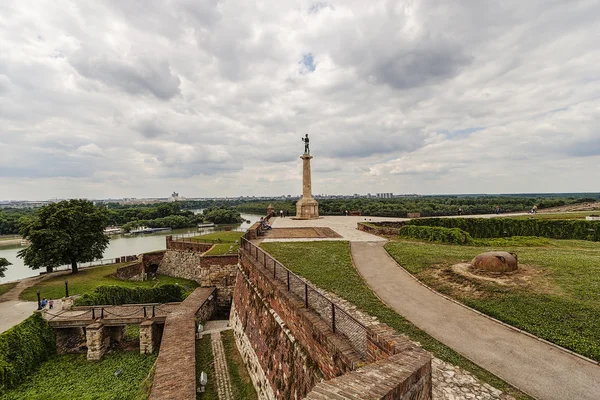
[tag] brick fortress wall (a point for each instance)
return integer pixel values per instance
(289, 350)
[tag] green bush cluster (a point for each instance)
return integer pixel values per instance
(435, 234)
(116, 295)
(23, 348)
(505, 227)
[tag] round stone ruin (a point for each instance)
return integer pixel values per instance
(496, 261)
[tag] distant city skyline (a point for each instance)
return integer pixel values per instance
(134, 99)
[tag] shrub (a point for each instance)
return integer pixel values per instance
(435, 234)
(23, 348)
(504, 227)
(105, 295)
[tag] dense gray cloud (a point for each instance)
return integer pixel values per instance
(208, 98)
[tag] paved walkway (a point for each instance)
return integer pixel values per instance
(12, 312)
(221, 371)
(535, 367)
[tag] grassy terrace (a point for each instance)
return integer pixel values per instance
(88, 279)
(221, 237)
(71, 376)
(329, 266)
(559, 299)
(566, 215)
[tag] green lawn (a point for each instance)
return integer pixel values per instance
(205, 362)
(5, 287)
(71, 376)
(222, 236)
(329, 266)
(238, 374)
(88, 279)
(223, 248)
(562, 305)
(565, 215)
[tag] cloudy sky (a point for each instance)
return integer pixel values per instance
(141, 98)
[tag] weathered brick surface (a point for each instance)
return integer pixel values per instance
(175, 375)
(133, 272)
(208, 271)
(278, 363)
(401, 376)
(294, 347)
(150, 337)
(97, 341)
(70, 340)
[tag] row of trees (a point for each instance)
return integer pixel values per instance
(429, 206)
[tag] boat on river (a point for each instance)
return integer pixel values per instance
(144, 230)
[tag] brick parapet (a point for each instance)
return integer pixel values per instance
(188, 245)
(278, 362)
(175, 375)
(333, 355)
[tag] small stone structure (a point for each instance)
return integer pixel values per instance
(496, 261)
(307, 207)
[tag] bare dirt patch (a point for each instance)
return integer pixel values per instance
(462, 280)
(592, 206)
(303, 233)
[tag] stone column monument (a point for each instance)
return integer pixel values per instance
(307, 207)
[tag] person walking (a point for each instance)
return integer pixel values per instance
(50, 304)
(281, 213)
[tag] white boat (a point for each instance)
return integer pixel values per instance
(112, 230)
(207, 225)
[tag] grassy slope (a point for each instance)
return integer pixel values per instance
(240, 379)
(570, 317)
(566, 215)
(329, 266)
(223, 236)
(5, 287)
(223, 248)
(205, 362)
(71, 376)
(88, 279)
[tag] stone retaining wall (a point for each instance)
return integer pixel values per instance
(381, 228)
(175, 375)
(209, 271)
(189, 245)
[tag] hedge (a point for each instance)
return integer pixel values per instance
(435, 234)
(23, 348)
(504, 227)
(115, 295)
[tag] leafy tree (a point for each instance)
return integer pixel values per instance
(67, 232)
(3, 264)
(222, 215)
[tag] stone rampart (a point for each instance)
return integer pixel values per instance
(175, 376)
(289, 349)
(209, 271)
(384, 228)
(132, 272)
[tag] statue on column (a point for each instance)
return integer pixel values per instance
(306, 148)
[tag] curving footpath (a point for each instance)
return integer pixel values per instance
(537, 368)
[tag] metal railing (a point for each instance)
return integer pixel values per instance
(339, 320)
(182, 237)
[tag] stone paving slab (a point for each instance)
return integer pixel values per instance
(221, 370)
(344, 226)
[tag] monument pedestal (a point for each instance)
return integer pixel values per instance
(307, 207)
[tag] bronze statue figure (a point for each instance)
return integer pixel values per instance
(306, 148)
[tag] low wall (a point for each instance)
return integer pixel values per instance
(175, 374)
(133, 272)
(384, 228)
(188, 245)
(209, 271)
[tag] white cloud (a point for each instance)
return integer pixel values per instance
(110, 99)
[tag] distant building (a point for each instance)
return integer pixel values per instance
(385, 195)
(174, 197)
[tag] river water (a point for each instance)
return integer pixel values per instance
(120, 245)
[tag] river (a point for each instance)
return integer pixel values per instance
(120, 245)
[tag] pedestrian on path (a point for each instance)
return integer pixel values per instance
(281, 213)
(50, 304)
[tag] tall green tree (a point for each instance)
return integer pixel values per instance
(66, 232)
(3, 264)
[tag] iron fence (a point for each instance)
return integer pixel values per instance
(339, 320)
